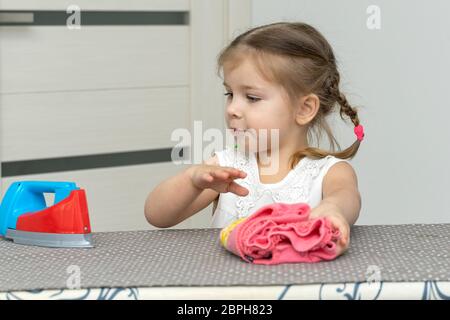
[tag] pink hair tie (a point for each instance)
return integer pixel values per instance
(359, 131)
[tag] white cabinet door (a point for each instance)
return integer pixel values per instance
(97, 105)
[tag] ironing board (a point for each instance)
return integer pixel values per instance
(383, 262)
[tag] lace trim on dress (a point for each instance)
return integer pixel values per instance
(295, 188)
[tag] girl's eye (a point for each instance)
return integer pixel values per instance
(253, 99)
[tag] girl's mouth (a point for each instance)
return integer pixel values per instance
(238, 131)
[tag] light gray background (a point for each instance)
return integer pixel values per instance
(399, 77)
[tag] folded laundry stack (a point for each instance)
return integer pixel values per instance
(281, 233)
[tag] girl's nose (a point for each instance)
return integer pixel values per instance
(233, 111)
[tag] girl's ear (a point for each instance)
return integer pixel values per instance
(307, 108)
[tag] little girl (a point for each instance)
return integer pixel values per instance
(280, 76)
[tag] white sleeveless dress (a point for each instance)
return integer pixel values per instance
(302, 184)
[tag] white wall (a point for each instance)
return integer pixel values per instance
(399, 74)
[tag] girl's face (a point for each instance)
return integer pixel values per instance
(254, 104)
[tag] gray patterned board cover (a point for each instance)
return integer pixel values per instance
(194, 257)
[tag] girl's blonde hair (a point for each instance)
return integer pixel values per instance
(299, 58)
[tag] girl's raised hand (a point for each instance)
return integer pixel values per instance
(218, 178)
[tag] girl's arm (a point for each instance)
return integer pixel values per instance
(190, 191)
(341, 201)
(340, 188)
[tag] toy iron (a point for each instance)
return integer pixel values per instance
(26, 219)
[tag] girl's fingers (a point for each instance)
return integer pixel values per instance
(239, 173)
(228, 174)
(344, 235)
(235, 172)
(344, 240)
(340, 249)
(208, 177)
(342, 246)
(237, 189)
(219, 174)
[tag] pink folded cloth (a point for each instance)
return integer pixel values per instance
(281, 233)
